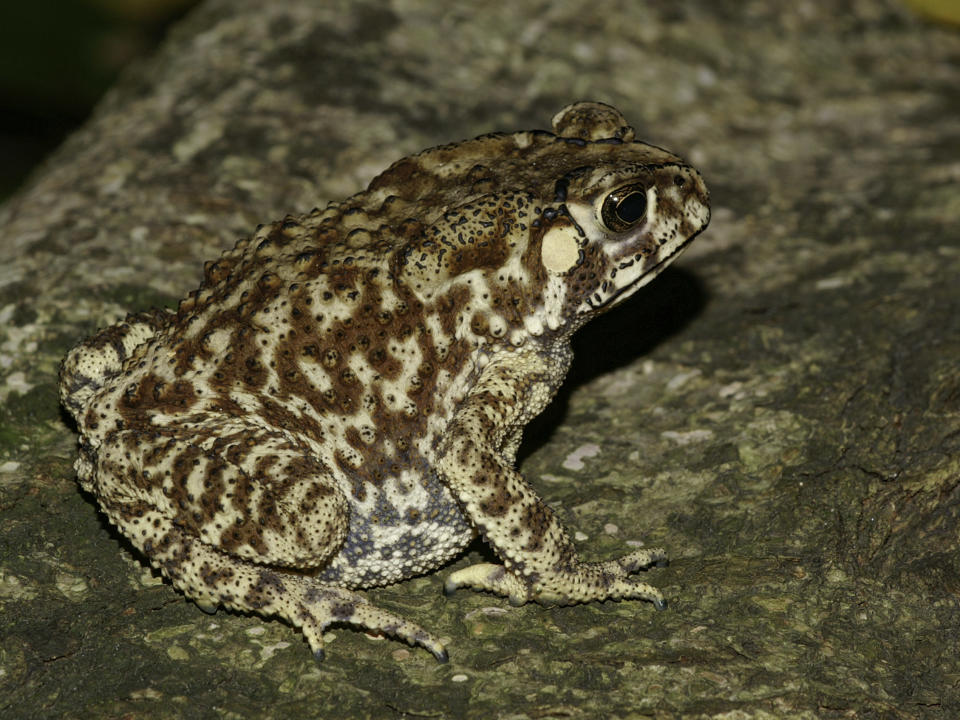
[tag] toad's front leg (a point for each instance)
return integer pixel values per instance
(540, 561)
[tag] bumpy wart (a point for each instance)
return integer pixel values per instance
(339, 404)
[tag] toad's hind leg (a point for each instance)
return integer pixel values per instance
(239, 516)
(304, 602)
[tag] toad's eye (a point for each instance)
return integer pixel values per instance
(624, 208)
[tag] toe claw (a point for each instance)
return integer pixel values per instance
(442, 656)
(660, 603)
(318, 655)
(207, 606)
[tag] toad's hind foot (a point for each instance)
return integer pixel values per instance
(324, 605)
(640, 560)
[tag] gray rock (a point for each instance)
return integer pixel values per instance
(781, 411)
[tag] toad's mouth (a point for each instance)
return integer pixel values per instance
(627, 290)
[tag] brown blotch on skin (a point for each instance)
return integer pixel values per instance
(537, 522)
(407, 176)
(479, 324)
(242, 532)
(354, 439)
(449, 305)
(215, 577)
(153, 394)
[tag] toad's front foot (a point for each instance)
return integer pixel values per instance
(585, 582)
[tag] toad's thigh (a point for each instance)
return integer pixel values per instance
(244, 490)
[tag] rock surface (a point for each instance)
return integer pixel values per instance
(781, 411)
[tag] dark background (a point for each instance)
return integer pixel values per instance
(57, 58)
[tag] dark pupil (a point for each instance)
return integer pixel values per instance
(632, 207)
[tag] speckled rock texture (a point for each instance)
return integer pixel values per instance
(781, 410)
